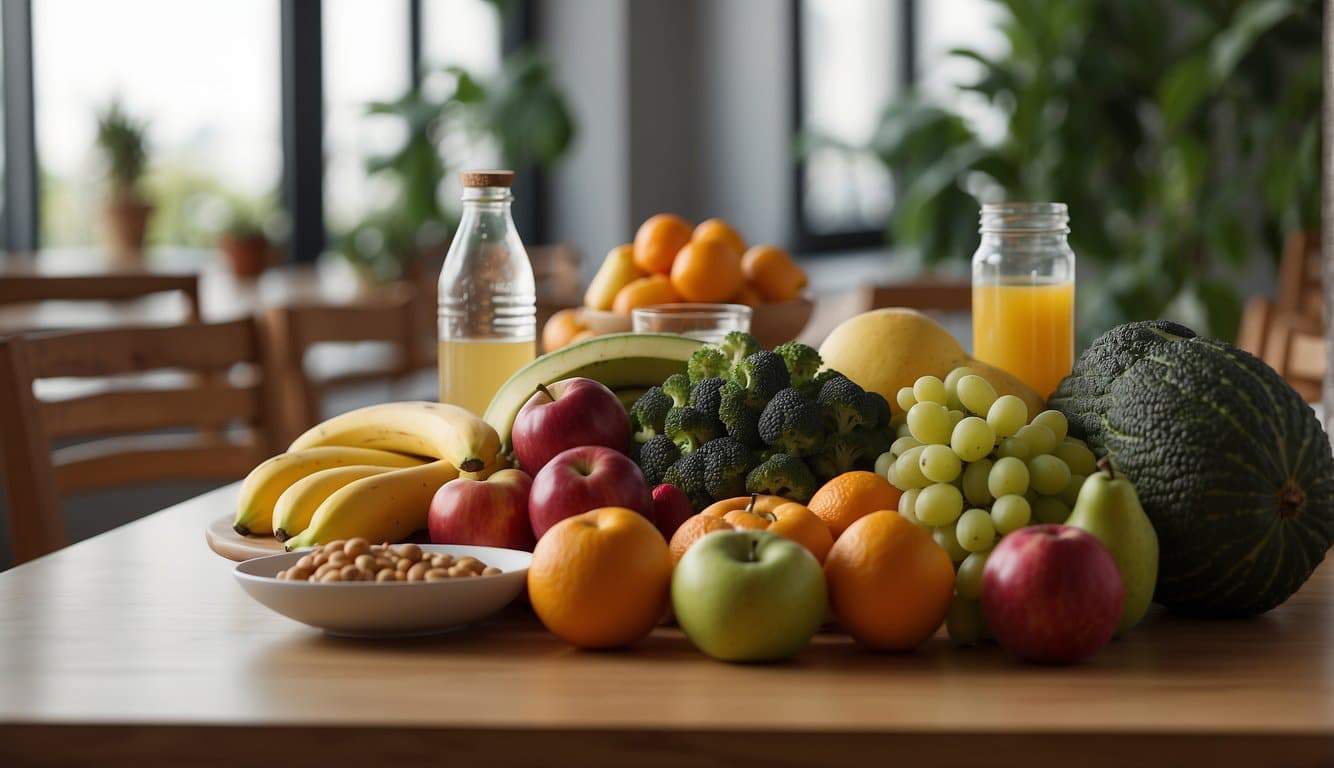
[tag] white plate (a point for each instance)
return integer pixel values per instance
(397, 609)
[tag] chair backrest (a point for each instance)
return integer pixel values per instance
(1295, 347)
(292, 331)
(109, 287)
(196, 390)
(1299, 279)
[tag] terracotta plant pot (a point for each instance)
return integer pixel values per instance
(127, 223)
(247, 255)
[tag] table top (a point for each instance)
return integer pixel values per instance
(142, 632)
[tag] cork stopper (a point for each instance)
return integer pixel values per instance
(487, 178)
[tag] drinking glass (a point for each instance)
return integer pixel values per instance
(706, 322)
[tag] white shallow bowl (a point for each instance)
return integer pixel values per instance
(397, 609)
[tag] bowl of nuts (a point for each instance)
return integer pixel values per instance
(359, 589)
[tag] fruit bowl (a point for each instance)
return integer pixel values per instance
(771, 324)
(395, 609)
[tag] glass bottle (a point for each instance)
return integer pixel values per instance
(1024, 292)
(488, 301)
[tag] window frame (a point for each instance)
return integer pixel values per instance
(807, 240)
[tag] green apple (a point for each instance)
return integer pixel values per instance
(749, 595)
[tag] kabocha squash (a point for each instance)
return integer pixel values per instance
(1232, 467)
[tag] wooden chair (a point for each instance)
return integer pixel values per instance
(110, 287)
(222, 403)
(293, 331)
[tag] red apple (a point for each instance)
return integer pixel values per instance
(565, 415)
(583, 479)
(670, 509)
(485, 513)
(1052, 594)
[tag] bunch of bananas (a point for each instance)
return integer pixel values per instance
(369, 473)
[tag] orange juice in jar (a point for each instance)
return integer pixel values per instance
(1024, 292)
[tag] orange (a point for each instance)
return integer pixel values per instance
(773, 273)
(748, 296)
(720, 230)
(707, 270)
(890, 585)
(692, 530)
(851, 495)
(790, 520)
(763, 503)
(561, 329)
(644, 292)
(600, 579)
(658, 241)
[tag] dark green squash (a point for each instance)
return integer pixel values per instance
(1232, 467)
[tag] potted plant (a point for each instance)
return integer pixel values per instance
(120, 138)
(244, 243)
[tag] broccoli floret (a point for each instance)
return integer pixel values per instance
(792, 424)
(846, 406)
(739, 345)
(677, 387)
(687, 473)
(802, 361)
(760, 376)
(842, 453)
(726, 462)
(782, 475)
(690, 428)
(740, 420)
(879, 409)
(812, 388)
(708, 362)
(648, 414)
(707, 396)
(656, 456)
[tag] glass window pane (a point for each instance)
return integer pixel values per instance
(944, 25)
(465, 34)
(366, 50)
(850, 71)
(204, 75)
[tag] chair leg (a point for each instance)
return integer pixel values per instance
(35, 524)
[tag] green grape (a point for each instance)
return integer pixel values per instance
(1008, 475)
(1010, 513)
(955, 418)
(930, 423)
(883, 462)
(977, 394)
(948, 541)
(1014, 446)
(1077, 456)
(891, 473)
(905, 398)
(929, 389)
(968, 581)
(1055, 421)
(939, 464)
(1050, 510)
(964, 621)
(902, 429)
(1072, 439)
(938, 504)
(1048, 474)
(972, 438)
(1007, 415)
(975, 483)
(907, 503)
(952, 379)
(953, 403)
(975, 530)
(1071, 493)
(908, 471)
(1038, 437)
(902, 444)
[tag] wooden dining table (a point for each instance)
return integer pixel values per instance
(137, 648)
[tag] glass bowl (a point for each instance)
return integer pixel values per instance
(706, 322)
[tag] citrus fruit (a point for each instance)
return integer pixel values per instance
(560, 329)
(790, 520)
(692, 530)
(644, 292)
(658, 240)
(707, 270)
(852, 495)
(773, 273)
(720, 230)
(763, 503)
(890, 586)
(601, 579)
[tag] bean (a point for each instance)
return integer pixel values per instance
(334, 546)
(317, 559)
(306, 561)
(299, 573)
(387, 574)
(491, 570)
(339, 559)
(457, 571)
(417, 571)
(365, 563)
(326, 568)
(402, 565)
(330, 576)
(349, 573)
(282, 575)
(357, 546)
(411, 551)
(437, 574)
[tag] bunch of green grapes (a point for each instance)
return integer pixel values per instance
(973, 468)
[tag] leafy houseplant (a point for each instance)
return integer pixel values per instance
(121, 140)
(1183, 135)
(244, 243)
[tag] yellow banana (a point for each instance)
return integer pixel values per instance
(427, 429)
(298, 503)
(265, 483)
(385, 507)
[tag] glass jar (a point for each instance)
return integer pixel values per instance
(1024, 292)
(488, 299)
(706, 322)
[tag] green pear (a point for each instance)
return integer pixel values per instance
(1109, 508)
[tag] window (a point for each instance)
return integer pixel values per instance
(944, 25)
(204, 75)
